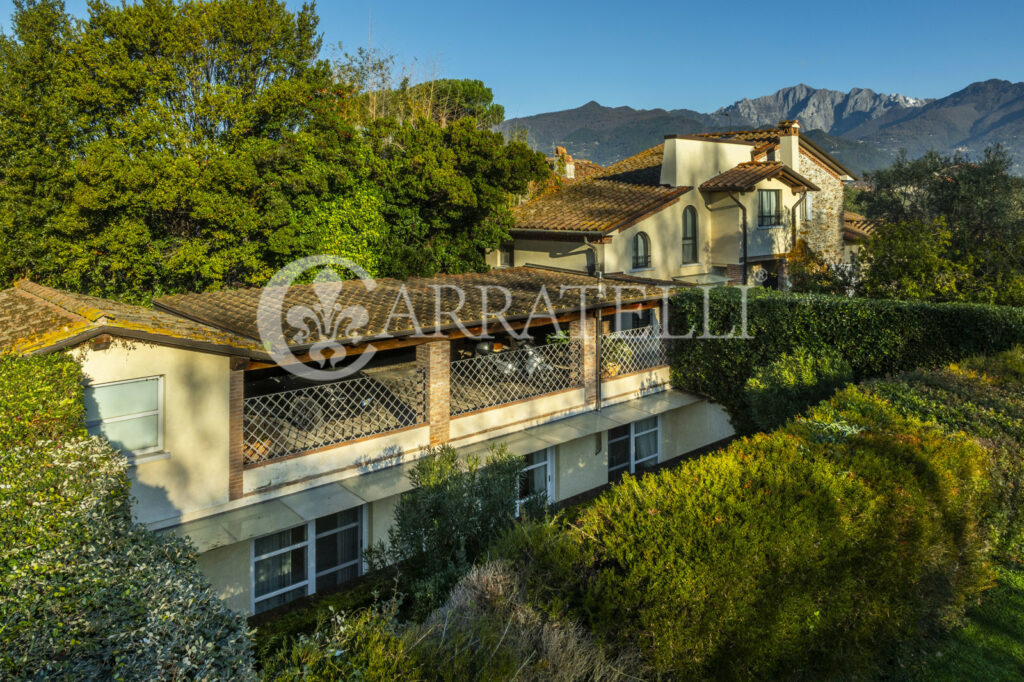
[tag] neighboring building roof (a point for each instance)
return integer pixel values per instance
(619, 196)
(856, 227)
(36, 318)
(387, 307)
(745, 177)
(767, 138)
(584, 169)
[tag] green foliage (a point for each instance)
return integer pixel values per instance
(792, 383)
(169, 146)
(990, 646)
(809, 272)
(963, 218)
(785, 553)
(876, 337)
(87, 593)
(40, 400)
(446, 192)
(983, 397)
(279, 629)
(455, 509)
(363, 645)
(912, 260)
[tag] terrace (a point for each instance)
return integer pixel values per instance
(284, 416)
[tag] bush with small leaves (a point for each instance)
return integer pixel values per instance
(792, 383)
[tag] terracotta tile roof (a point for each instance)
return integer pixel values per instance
(36, 318)
(617, 197)
(745, 177)
(387, 306)
(856, 227)
(584, 169)
(767, 138)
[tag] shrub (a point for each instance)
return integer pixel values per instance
(88, 594)
(792, 383)
(983, 397)
(454, 511)
(876, 337)
(363, 645)
(486, 630)
(807, 551)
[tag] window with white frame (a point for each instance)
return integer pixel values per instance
(129, 414)
(287, 565)
(633, 447)
(808, 206)
(536, 479)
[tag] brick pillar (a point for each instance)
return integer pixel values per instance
(735, 273)
(236, 394)
(435, 358)
(586, 331)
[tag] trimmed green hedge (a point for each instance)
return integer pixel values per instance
(876, 337)
(792, 383)
(87, 593)
(819, 549)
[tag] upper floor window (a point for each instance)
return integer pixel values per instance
(689, 235)
(808, 206)
(129, 414)
(507, 255)
(641, 251)
(769, 207)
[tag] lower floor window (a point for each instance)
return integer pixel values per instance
(633, 447)
(305, 559)
(535, 482)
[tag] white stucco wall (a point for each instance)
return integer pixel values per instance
(194, 475)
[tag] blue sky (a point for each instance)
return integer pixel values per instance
(544, 56)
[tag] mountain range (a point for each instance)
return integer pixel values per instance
(863, 129)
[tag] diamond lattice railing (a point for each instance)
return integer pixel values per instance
(289, 422)
(632, 350)
(508, 376)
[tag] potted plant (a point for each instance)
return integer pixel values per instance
(615, 353)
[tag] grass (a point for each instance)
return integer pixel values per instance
(989, 647)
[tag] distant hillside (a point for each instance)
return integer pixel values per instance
(863, 129)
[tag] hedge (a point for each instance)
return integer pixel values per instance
(815, 550)
(876, 337)
(87, 593)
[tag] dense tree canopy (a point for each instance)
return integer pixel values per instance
(179, 146)
(950, 229)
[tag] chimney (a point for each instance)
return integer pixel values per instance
(789, 143)
(789, 127)
(563, 164)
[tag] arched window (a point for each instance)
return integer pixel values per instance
(641, 251)
(689, 235)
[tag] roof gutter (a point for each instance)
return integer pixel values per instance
(743, 211)
(792, 222)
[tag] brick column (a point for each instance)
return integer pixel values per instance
(586, 331)
(435, 358)
(236, 394)
(735, 273)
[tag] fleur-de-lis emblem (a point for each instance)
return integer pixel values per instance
(321, 323)
(324, 324)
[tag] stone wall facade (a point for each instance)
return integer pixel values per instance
(824, 231)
